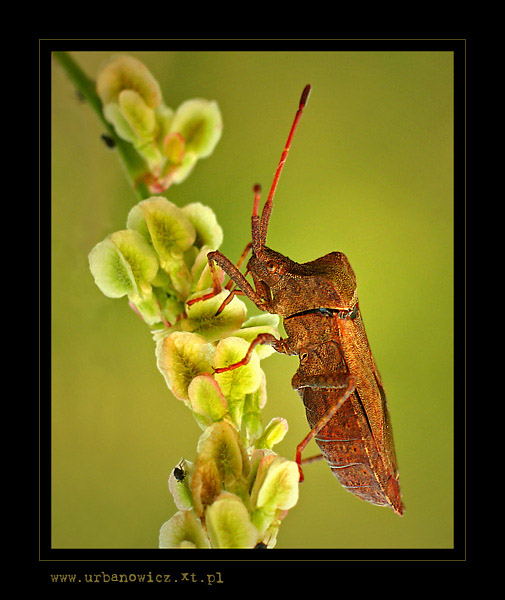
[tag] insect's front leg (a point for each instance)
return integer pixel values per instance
(233, 272)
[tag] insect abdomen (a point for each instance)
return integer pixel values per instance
(346, 444)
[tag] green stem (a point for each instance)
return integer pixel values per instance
(131, 161)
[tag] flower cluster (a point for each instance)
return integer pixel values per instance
(237, 490)
(170, 142)
(230, 498)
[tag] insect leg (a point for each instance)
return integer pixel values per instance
(241, 282)
(346, 381)
(263, 338)
(235, 291)
(239, 263)
(245, 288)
(216, 284)
(306, 461)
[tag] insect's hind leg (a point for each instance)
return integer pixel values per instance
(311, 459)
(347, 383)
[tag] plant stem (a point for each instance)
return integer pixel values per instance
(131, 161)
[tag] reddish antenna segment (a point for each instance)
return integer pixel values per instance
(267, 209)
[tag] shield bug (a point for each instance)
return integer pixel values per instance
(337, 377)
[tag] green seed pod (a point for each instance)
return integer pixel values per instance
(229, 524)
(181, 356)
(127, 73)
(124, 264)
(183, 530)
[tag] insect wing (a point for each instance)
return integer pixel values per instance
(360, 362)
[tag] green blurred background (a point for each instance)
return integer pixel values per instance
(370, 174)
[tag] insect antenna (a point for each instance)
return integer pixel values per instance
(267, 209)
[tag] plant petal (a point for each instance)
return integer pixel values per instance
(114, 115)
(279, 488)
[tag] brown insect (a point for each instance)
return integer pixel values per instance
(337, 378)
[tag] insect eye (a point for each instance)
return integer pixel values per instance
(271, 266)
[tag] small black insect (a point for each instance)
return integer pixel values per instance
(260, 545)
(179, 472)
(108, 141)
